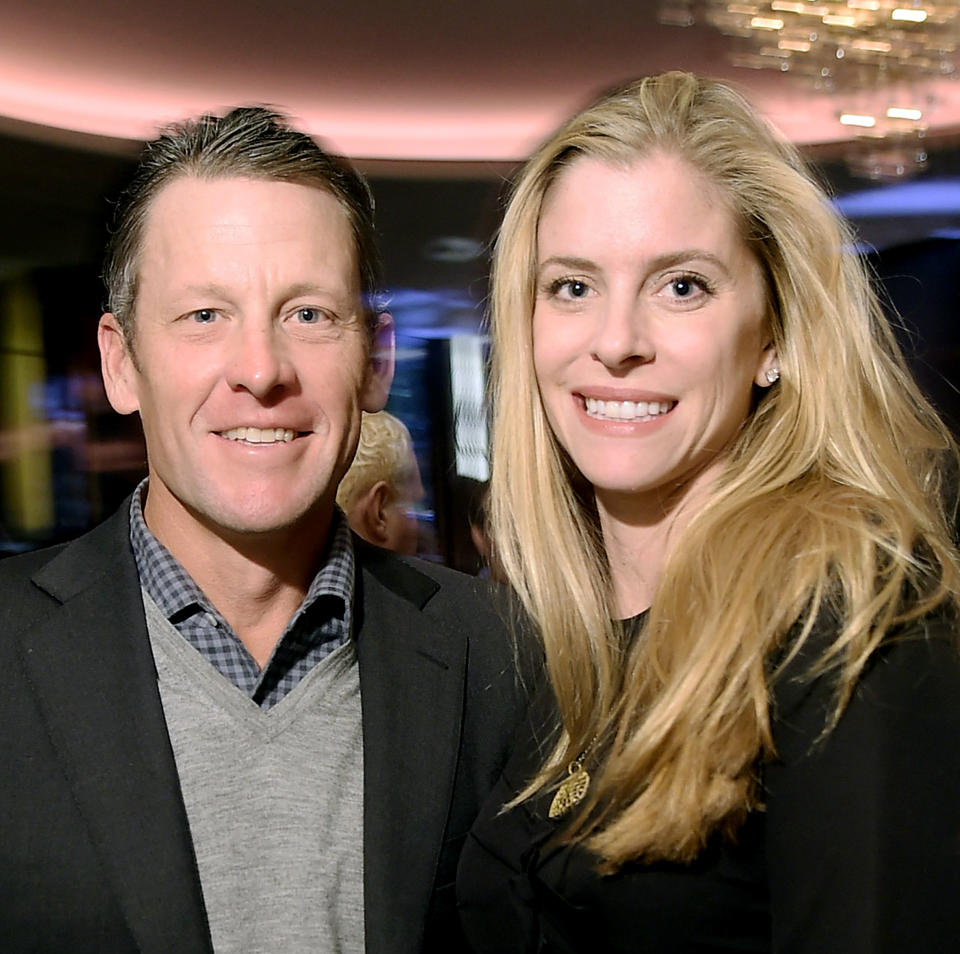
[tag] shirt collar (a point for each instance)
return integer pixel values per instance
(174, 591)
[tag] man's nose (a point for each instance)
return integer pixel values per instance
(259, 361)
(623, 333)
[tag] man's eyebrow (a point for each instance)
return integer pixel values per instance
(297, 290)
(312, 288)
(211, 288)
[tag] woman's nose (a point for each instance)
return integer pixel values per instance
(623, 334)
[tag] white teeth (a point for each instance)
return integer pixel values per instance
(627, 410)
(260, 435)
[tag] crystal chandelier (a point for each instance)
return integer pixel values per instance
(874, 56)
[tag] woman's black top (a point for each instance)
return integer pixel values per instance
(856, 852)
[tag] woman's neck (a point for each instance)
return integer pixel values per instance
(639, 531)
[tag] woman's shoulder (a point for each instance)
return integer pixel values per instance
(866, 806)
(909, 683)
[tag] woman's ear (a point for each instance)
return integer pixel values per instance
(768, 372)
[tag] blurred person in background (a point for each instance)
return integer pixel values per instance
(382, 486)
(478, 517)
(725, 505)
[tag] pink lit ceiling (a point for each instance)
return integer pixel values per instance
(389, 79)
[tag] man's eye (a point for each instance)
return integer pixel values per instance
(204, 316)
(310, 316)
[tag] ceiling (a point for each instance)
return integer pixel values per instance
(435, 100)
(414, 79)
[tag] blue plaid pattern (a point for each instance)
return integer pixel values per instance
(320, 625)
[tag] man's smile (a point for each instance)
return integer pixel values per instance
(260, 435)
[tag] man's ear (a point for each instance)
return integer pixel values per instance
(117, 366)
(376, 387)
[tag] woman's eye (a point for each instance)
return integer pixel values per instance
(570, 288)
(687, 288)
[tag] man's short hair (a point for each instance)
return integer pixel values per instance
(249, 142)
(385, 452)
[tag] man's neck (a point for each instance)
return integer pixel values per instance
(255, 581)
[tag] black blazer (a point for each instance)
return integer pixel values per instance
(95, 848)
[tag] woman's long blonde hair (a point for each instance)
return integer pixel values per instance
(832, 498)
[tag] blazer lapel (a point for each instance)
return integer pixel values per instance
(412, 683)
(90, 665)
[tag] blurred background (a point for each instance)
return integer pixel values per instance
(437, 103)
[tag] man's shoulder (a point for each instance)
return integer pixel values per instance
(17, 573)
(453, 580)
(23, 602)
(21, 566)
(433, 587)
(484, 613)
(58, 571)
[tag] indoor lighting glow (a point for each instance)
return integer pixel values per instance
(836, 20)
(911, 16)
(468, 396)
(857, 119)
(866, 55)
(898, 112)
(872, 46)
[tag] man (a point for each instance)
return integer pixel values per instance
(382, 485)
(185, 767)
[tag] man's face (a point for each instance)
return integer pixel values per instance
(252, 360)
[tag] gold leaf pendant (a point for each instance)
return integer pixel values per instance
(571, 791)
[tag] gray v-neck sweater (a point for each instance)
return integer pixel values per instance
(274, 799)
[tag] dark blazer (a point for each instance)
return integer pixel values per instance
(95, 848)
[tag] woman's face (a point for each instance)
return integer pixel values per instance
(649, 328)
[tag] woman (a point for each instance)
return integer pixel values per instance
(720, 497)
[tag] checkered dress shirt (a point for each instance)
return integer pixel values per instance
(320, 625)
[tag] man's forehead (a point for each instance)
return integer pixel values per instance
(186, 193)
(198, 222)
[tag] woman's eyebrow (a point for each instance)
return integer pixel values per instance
(568, 261)
(666, 260)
